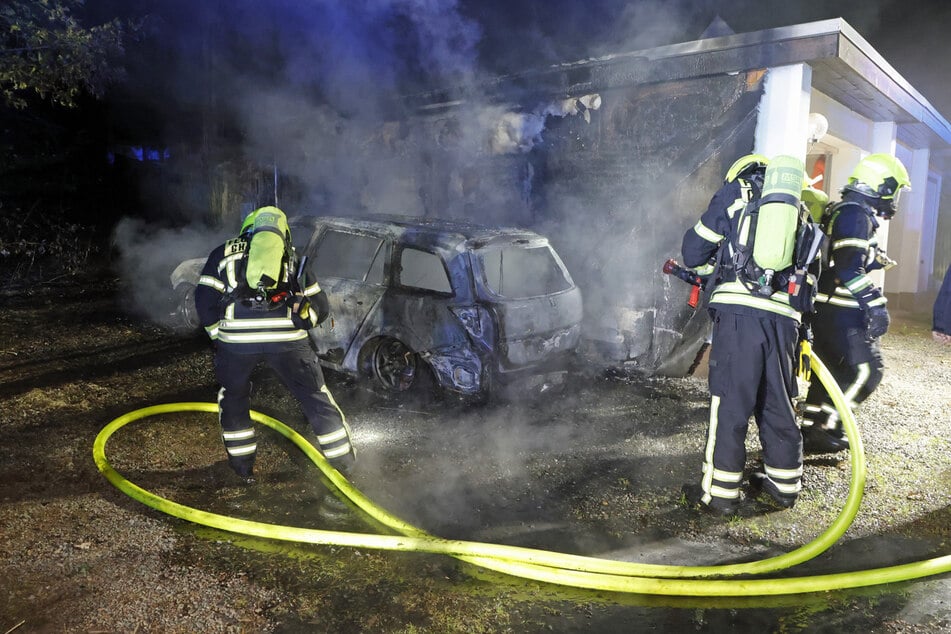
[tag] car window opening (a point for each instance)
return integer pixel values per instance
(424, 270)
(349, 256)
(520, 272)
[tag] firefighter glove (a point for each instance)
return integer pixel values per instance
(303, 315)
(877, 321)
(883, 261)
(804, 360)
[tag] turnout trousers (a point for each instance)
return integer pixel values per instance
(297, 368)
(751, 374)
(854, 361)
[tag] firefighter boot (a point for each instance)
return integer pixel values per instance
(816, 440)
(243, 466)
(760, 483)
(693, 493)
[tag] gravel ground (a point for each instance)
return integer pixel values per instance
(596, 470)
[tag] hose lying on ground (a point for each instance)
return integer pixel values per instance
(540, 565)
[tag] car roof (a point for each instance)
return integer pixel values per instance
(448, 235)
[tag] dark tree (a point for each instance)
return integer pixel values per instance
(45, 50)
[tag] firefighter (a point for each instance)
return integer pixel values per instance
(941, 313)
(257, 308)
(851, 313)
(751, 360)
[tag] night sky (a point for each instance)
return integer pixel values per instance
(349, 54)
(912, 36)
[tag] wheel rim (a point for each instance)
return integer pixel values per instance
(187, 311)
(392, 361)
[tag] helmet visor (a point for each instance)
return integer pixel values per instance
(888, 205)
(897, 195)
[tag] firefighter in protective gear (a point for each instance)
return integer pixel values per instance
(266, 320)
(941, 313)
(851, 313)
(752, 360)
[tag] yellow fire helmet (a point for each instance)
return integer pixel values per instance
(881, 177)
(248, 223)
(815, 201)
(744, 164)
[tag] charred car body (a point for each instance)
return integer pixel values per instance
(476, 310)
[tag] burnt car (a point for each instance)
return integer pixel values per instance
(471, 309)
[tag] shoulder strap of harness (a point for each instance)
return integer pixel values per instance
(725, 254)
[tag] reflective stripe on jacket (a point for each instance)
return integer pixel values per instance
(230, 318)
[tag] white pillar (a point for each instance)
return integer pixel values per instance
(783, 121)
(929, 233)
(883, 138)
(908, 229)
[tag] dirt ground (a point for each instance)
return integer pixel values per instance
(595, 470)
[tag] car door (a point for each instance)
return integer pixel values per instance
(418, 307)
(350, 267)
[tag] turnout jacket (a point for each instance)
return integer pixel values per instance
(709, 241)
(853, 253)
(229, 313)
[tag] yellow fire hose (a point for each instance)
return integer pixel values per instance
(540, 565)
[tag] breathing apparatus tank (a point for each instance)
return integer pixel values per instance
(774, 242)
(269, 241)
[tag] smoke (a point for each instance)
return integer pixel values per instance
(339, 69)
(448, 492)
(147, 257)
(316, 91)
(642, 25)
(310, 89)
(313, 90)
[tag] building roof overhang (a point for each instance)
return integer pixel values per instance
(844, 66)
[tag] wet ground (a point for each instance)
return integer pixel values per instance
(593, 470)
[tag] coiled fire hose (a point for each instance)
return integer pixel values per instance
(541, 565)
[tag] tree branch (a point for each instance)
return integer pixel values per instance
(26, 49)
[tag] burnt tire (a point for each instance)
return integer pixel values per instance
(186, 314)
(394, 369)
(392, 365)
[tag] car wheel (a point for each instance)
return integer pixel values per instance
(186, 313)
(393, 365)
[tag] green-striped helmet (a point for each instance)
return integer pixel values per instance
(744, 165)
(248, 223)
(880, 177)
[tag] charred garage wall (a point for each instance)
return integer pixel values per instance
(614, 184)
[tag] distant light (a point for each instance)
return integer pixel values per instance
(818, 126)
(138, 153)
